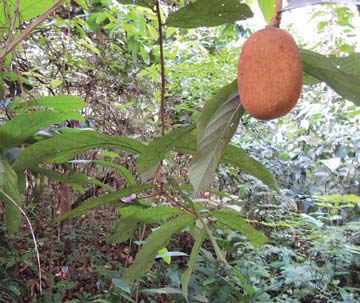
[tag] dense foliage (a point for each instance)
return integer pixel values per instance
(127, 160)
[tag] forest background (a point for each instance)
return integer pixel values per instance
(129, 171)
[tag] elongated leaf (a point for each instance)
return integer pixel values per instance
(235, 156)
(238, 157)
(234, 220)
(112, 198)
(301, 3)
(214, 138)
(144, 3)
(63, 147)
(209, 13)
(121, 169)
(156, 241)
(9, 190)
(157, 149)
(22, 127)
(76, 180)
(137, 217)
(62, 103)
(267, 8)
(323, 68)
(185, 278)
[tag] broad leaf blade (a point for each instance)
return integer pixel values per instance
(235, 156)
(185, 278)
(214, 138)
(133, 217)
(209, 13)
(121, 169)
(234, 220)
(112, 198)
(156, 241)
(342, 81)
(63, 147)
(22, 127)
(9, 190)
(267, 8)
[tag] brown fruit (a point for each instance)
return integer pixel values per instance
(269, 74)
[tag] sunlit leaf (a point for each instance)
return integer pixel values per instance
(267, 8)
(144, 3)
(209, 13)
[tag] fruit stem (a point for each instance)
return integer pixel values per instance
(276, 19)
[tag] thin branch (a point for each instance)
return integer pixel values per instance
(32, 234)
(276, 20)
(8, 48)
(162, 63)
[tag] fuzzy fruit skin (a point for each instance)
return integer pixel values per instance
(269, 74)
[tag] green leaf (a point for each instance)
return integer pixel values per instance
(157, 149)
(22, 127)
(209, 13)
(121, 169)
(112, 198)
(249, 289)
(76, 180)
(62, 103)
(157, 240)
(28, 9)
(340, 198)
(234, 220)
(9, 191)
(185, 278)
(133, 217)
(345, 82)
(162, 252)
(235, 156)
(238, 157)
(144, 3)
(63, 147)
(215, 136)
(268, 8)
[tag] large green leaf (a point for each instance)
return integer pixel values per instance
(342, 80)
(112, 198)
(235, 156)
(234, 220)
(133, 217)
(28, 9)
(268, 8)
(61, 103)
(216, 135)
(239, 157)
(22, 127)
(185, 278)
(63, 147)
(9, 193)
(156, 241)
(209, 13)
(158, 148)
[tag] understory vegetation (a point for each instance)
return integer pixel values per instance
(129, 171)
